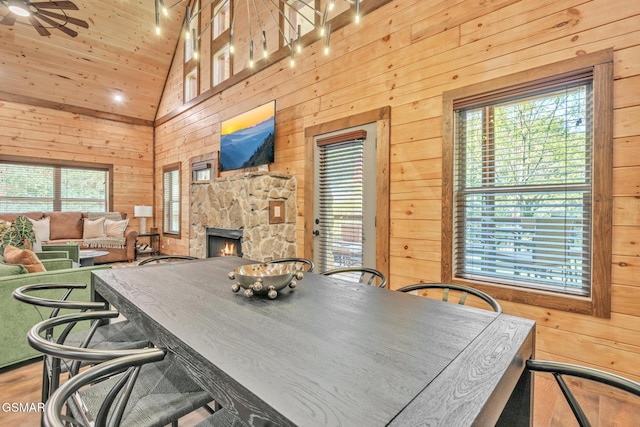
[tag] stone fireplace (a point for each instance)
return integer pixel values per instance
(240, 205)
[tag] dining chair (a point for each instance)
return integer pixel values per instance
(166, 258)
(461, 290)
(152, 396)
(366, 275)
(117, 335)
(302, 264)
(560, 370)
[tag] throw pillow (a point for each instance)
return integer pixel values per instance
(65, 225)
(115, 228)
(12, 269)
(42, 229)
(93, 228)
(31, 262)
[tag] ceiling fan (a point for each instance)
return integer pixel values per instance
(41, 15)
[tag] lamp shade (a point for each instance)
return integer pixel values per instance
(142, 211)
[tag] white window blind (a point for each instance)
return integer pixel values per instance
(340, 202)
(522, 189)
(171, 199)
(28, 187)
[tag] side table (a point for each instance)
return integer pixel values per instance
(151, 248)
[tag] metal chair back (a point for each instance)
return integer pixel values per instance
(561, 370)
(366, 275)
(463, 293)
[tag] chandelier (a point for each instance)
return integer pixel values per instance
(298, 17)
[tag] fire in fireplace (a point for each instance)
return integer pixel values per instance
(224, 242)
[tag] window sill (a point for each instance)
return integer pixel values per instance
(562, 302)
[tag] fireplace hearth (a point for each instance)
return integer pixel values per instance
(224, 242)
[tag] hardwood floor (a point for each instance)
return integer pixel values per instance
(22, 385)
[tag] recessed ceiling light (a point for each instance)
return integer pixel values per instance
(118, 97)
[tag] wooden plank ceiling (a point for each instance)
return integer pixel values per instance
(120, 51)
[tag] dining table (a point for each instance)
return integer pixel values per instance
(330, 352)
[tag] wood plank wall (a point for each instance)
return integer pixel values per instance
(44, 133)
(405, 55)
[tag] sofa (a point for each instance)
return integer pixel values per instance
(16, 318)
(84, 228)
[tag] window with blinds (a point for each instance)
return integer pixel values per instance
(171, 199)
(523, 185)
(28, 187)
(340, 204)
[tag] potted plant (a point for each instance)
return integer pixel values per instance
(19, 234)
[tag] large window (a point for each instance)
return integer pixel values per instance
(221, 65)
(525, 210)
(28, 187)
(191, 52)
(191, 85)
(171, 199)
(221, 60)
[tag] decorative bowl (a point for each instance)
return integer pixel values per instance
(264, 278)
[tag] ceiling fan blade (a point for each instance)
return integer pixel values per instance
(69, 19)
(63, 28)
(54, 5)
(9, 19)
(38, 26)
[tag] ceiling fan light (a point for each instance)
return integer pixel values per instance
(19, 7)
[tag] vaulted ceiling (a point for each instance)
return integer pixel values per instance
(119, 53)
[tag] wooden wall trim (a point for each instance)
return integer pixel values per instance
(36, 102)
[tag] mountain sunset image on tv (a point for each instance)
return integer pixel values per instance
(248, 139)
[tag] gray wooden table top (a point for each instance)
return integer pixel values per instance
(329, 353)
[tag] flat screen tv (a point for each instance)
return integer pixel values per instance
(248, 139)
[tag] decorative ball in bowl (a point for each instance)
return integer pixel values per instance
(264, 278)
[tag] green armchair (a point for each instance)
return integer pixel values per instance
(72, 249)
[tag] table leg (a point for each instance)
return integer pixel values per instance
(517, 411)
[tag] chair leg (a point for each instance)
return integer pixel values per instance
(45, 379)
(54, 379)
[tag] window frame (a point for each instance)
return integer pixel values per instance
(202, 163)
(191, 66)
(61, 164)
(598, 303)
(174, 167)
(220, 43)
